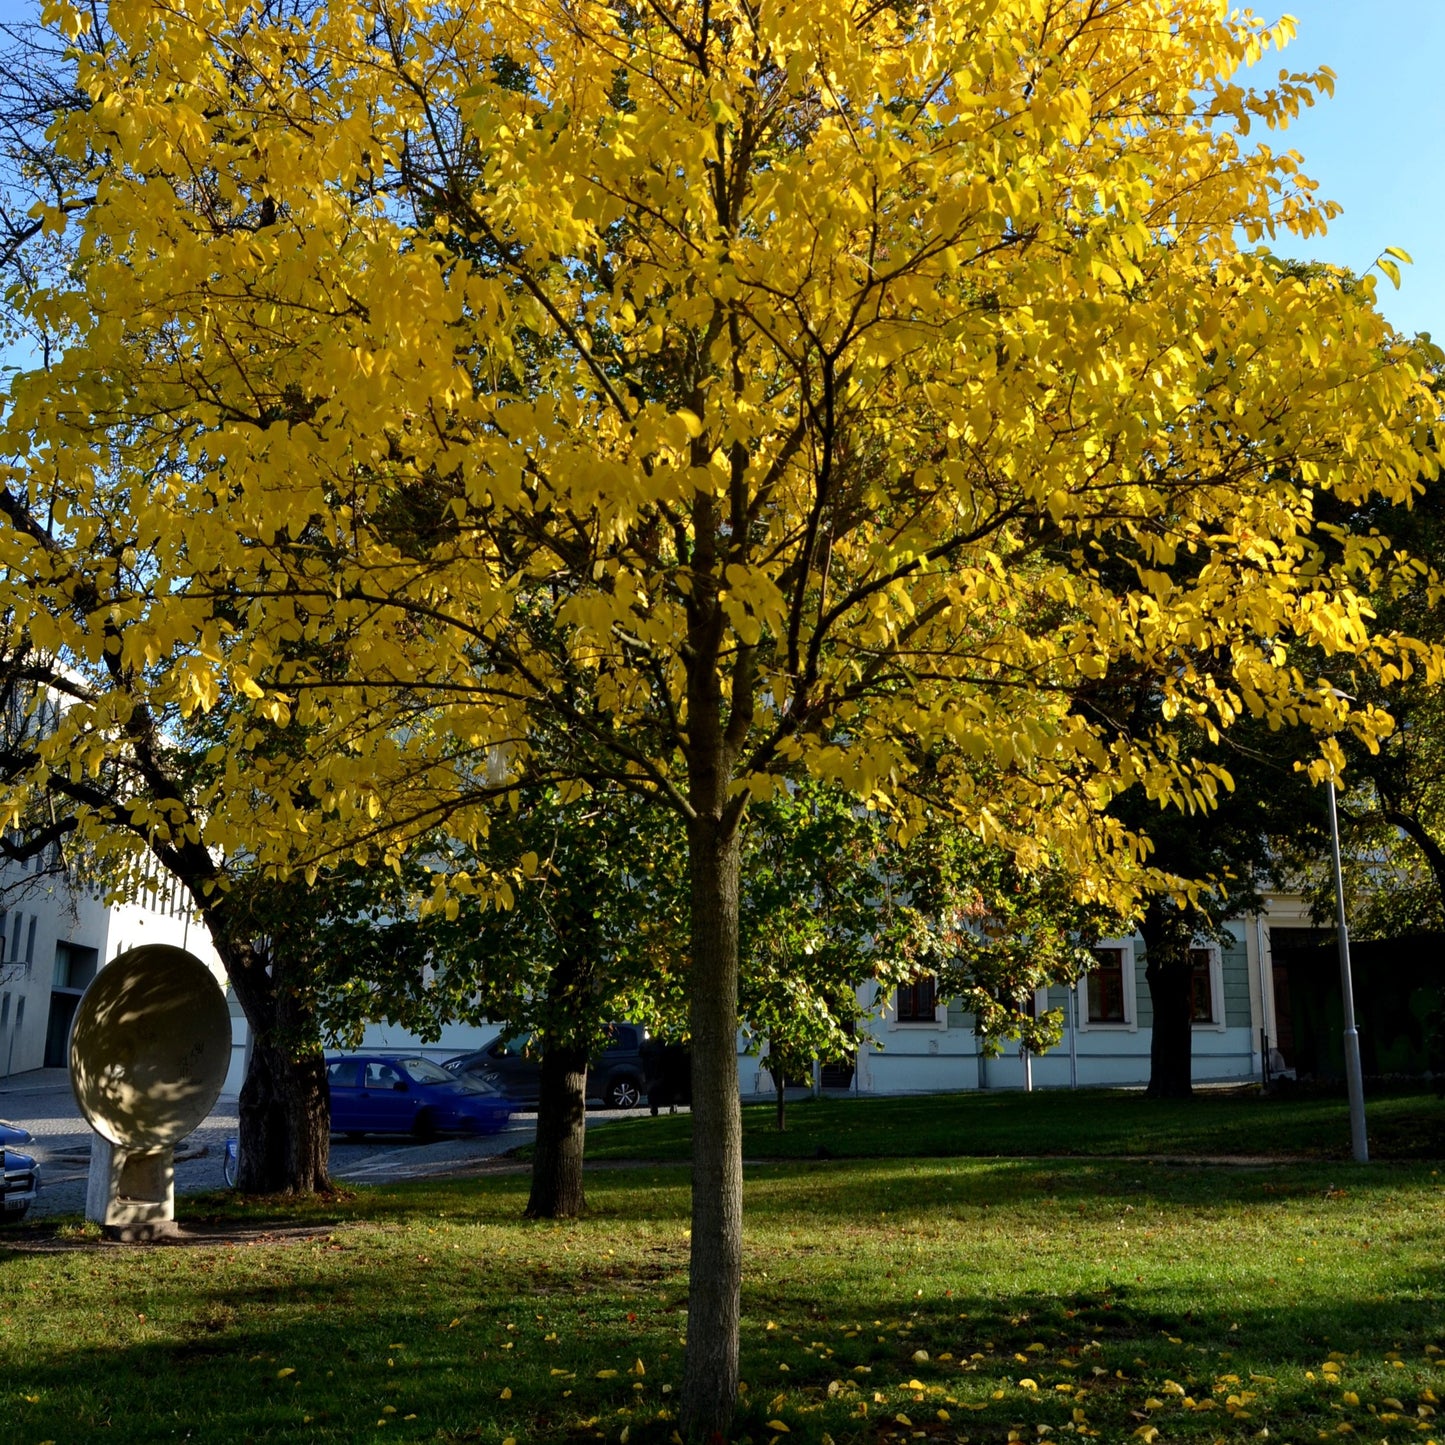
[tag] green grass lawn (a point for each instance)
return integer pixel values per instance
(1096, 1122)
(884, 1300)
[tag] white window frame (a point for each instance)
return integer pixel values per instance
(1130, 1024)
(1216, 987)
(940, 1015)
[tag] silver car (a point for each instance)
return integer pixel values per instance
(19, 1173)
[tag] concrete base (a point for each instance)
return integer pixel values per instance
(131, 1190)
(144, 1233)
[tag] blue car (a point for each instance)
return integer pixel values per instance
(406, 1094)
(19, 1173)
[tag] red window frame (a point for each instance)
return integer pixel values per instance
(1201, 987)
(917, 1000)
(1106, 987)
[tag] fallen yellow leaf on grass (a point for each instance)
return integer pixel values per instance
(281, 1374)
(506, 1392)
(903, 1419)
(607, 1374)
(638, 1369)
(1146, 1433)
(1350, 1398)
(779, 1427)
(1027, 1384)
(920, 1357)
(915, 1385)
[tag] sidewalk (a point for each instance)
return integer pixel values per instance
(36, 1081)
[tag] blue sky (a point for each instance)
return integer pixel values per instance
(1379, 146)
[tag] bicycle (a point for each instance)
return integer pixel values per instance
(231, 1164)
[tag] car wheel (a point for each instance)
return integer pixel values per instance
(424, 1129)
(623, 1094)
(13, 1216)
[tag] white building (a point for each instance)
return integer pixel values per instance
(53, 939)
(923, 1044)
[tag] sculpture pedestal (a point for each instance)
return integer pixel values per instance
(131, 1193)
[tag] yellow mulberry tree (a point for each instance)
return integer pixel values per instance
(686, 393)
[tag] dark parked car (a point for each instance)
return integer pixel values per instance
(406, 1094)
(513, 1063)
(669, 1075)
(19, 1173)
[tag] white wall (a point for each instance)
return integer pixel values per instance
(62, 915)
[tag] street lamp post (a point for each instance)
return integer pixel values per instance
(1359, 1145)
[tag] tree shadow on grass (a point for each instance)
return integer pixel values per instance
(439, 1303)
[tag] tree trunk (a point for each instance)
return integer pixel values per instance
(710, 1378)
(285, 1106)
(561, 1135)
(285, 1138)
(1167, 936)
(780, 1082)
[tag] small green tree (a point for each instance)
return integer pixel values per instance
(833, 901)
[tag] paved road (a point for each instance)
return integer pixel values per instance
(41, 1101)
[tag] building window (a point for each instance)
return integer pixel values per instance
(1201, 986)
(1107, 1003)
(918, 1001)
(1206, 986)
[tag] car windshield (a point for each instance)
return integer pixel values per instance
(426, 1072)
